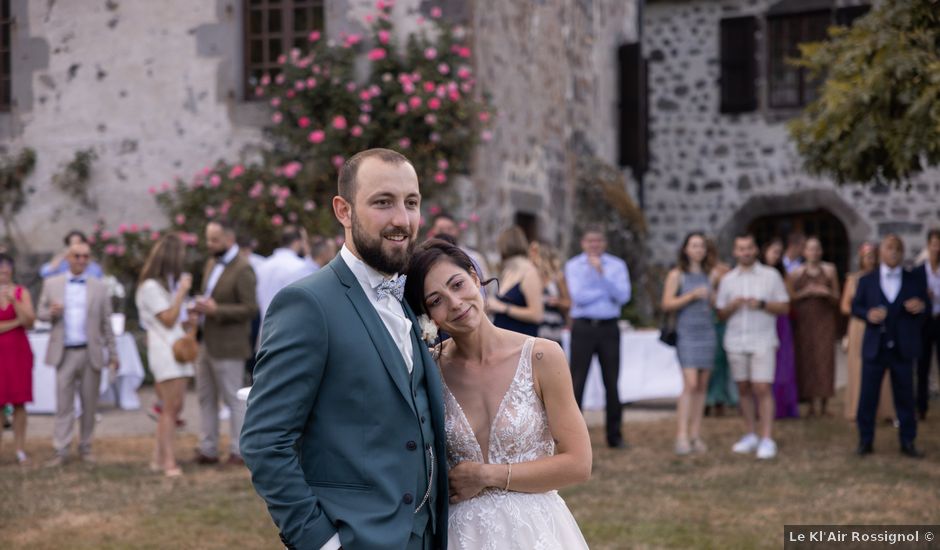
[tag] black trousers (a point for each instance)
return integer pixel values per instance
(603, 338)
(931, 340)
(902, 387)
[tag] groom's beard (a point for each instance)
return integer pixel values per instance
(372, 253)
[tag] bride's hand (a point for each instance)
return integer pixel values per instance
(466, 480)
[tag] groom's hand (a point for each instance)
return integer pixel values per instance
(466, 480)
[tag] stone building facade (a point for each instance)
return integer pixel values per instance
(727, 172)
(156, 89)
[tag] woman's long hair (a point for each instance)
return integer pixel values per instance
(683, 261)
(164, 261)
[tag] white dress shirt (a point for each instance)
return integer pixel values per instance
(890, 282)
(751, 330)
(389, 309)
(219, 267)
(278, 270)
(933, 283)
(76, 310)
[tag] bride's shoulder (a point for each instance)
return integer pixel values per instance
(548, 351)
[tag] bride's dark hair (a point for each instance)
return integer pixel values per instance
(424, 257)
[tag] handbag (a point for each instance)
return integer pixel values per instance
(185, 348)
(667, 329)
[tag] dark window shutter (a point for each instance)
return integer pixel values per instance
(847, 15)
(738, 65)
(634, 133)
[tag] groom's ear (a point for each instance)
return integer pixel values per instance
(343, 211)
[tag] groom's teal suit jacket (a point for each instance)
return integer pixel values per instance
(331, 425)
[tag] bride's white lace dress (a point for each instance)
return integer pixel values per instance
(505, 520)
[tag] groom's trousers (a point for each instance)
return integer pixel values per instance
(422, 542)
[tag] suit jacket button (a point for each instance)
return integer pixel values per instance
(408, 499)
(422, 419)
(411, 445)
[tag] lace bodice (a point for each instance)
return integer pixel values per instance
(519, 432)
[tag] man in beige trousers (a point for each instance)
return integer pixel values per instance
(227, 306)
(80, 345)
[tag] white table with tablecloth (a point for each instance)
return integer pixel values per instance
(120, 390)
(649, 369)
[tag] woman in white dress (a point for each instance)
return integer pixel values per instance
(514, 431)
(161, 291)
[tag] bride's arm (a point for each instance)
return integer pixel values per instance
(571, 463)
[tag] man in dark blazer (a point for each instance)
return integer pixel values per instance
(227, 306)
(344, 433)
(892, 301)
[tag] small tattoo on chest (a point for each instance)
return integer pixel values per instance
(538, 355)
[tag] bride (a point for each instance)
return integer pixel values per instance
(514, 431)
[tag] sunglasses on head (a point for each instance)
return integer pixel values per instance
(81, 256)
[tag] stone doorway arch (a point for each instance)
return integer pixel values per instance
(804, 210)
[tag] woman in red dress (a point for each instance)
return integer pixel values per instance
(16, 357)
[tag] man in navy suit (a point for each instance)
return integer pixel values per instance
(892, 301)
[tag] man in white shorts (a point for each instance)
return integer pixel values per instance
(750, 298)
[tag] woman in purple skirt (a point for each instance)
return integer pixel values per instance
(786, 393)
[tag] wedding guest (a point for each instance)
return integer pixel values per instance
(16, 357)
(722, 391)
(59, 263)
(599, 284)
(793, 257)
(322, 250)
(786, 391)
(750, 298)
(554, 290)
(227, 305)
(520, 307)
(687, 292)
(444, 224)
(893, 302)
(814, 293)
(289, 262)
(867, 261)
(161, 293)
(931, 338)
(81, 343)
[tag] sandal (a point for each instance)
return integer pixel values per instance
(173, 472)
(21, 457)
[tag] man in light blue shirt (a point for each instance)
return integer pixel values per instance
(599, 284)
(59, 264)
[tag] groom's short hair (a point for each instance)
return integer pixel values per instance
(346, 183)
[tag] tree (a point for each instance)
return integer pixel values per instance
(877, 118)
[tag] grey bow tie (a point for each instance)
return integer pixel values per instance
(392, 287)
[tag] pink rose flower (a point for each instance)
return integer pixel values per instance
(414, 102)
(110, 249)
(466, 87)
(486, 135)
(152, 190)
(428, 87)
(368, 19)
(303, 122)
(236, 171)
(353, 39)
(133, 228)
(375, 90)
(291, 169)
(210, 212)
(314, 36)
(463, 226)
(316, 136)
(434, 210)
(430, 119)
(439, 177)
(356, 131)
(155, 236)
(256, 190)
(430, 53)
(404, 143)
(408, 88)
(443, 68)
(365, 107)
(453, 96)
(434, 137)
(165, 186)
(434, 104)
(280, 202)
(309, 205)
(277, 117)
(281, 59)
(464, 52)
(277, 220)
(384, 36)
(215, 181)
(375, 54)
(436, 12)
(442, 164)
(259, 91)
(299, 85)
(122, 229)
(401, 108)
(364, 119)
(339, 122)
(225, 206)
(292, 217)
(265, 79)
(311, 82)
(337, 160)
(290, 94)
(474, 217)
(105, 235)
(464, 73)
(484, 116)
(180, 220)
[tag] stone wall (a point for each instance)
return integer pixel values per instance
(718, 172)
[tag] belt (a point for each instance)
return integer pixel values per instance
(597, 322)
(77, 346)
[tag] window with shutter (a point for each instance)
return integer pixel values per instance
(634, 117)
(738, 64)
(788, 85)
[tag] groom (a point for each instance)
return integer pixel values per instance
(344, 432)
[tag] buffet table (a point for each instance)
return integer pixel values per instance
(649, 369)
(120, 390)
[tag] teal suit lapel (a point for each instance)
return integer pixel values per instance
(384, 344)
(432, 375)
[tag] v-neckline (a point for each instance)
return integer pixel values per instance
(499, 409)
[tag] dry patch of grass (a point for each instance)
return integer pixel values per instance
(644, 497)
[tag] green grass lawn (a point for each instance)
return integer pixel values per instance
(644, 497)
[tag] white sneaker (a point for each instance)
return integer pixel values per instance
(767, 449)
(746, 445)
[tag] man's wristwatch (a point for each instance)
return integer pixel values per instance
(762, 304)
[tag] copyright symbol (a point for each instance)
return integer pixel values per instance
(928, 536)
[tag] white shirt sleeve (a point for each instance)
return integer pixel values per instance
(778, 291)
(721, 301)
(332, 544)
